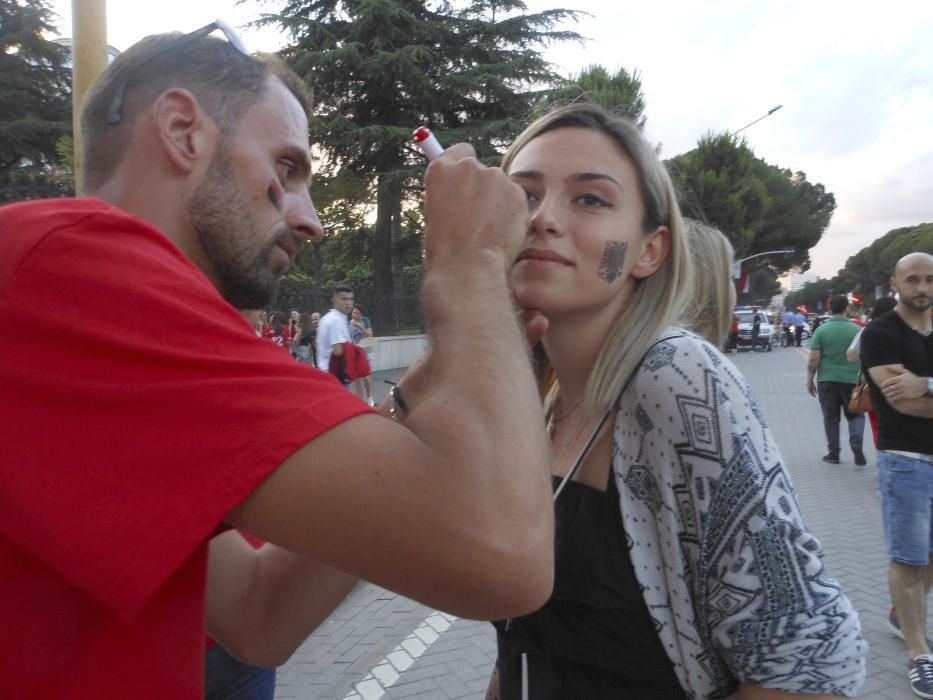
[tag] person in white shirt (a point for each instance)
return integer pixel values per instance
(333, 330)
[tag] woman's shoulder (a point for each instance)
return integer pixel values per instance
(681, 363)
(681, 350)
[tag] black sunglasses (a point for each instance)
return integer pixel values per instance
(115, 113)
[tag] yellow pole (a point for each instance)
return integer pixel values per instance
(89, 56)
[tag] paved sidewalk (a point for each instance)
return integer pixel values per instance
(380, 645)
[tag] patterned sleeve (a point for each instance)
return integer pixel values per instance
(764, 601)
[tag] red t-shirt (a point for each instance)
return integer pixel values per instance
(124, 446)
(279, 338)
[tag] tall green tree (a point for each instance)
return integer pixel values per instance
(379, 68)
(35, 101)
(760, 207)
(870, 269)
(620, 92)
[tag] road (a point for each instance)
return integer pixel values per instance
(380, 645)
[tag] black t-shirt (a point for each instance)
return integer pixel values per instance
(888, 340)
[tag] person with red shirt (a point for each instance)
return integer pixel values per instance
(277, 331)
(127, 458)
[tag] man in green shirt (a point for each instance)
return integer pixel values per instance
(837, 378)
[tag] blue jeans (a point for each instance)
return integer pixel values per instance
(228, 678)
(905, 486)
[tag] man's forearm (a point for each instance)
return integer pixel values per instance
(921, 408)
(480, 375)
(262, 604)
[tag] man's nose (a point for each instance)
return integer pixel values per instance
(302, 218)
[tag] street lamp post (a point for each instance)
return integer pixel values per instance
(770, 112)
(737, 265)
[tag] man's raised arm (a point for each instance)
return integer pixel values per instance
(453, 505)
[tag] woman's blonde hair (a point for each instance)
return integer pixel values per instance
(657, 301)
(710, 313)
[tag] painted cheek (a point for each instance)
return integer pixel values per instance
(275, 195)
(613, 261)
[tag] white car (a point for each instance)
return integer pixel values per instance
(765, 331)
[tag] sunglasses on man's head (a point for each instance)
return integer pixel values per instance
(115, 113)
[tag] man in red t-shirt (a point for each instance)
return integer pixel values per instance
(126, 452)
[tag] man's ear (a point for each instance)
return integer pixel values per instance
(185, 132)
(657, 246)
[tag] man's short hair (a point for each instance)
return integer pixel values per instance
(839, 303)
(225, 82)
(342, 289)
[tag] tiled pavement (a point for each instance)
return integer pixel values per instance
(379, 645)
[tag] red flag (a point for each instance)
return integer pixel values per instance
(743, 280)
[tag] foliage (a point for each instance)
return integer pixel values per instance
(35, 93)
(871, 267)
(758, 206)
(620, 93)
(380, 68)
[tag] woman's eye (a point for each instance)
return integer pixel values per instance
(529, 195)
(591, 200)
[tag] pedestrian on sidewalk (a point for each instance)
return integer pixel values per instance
(836, 377)
(897, 351)
(683, 565)
(799, 322)
(128, 458)
(334, 328)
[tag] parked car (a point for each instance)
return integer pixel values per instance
(765, 332)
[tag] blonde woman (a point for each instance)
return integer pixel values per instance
(683, 565)
(713, 301)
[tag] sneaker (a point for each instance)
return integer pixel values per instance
(920, 673)
(859, 457)
(831, 459)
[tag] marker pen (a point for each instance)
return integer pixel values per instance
(428, 143)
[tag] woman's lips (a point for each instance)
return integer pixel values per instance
(538, 257)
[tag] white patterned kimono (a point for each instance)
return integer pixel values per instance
(734, 581)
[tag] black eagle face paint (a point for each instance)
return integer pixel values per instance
(274, 193)
(613, 261)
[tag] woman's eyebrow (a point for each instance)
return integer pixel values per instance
(526, 174)
(576, 177)
(586, 177)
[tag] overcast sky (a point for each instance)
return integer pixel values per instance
(856, 85)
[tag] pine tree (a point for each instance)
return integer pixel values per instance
(380, 68)
(620, 93)
(35, 101)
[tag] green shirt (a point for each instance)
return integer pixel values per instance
(832, 339)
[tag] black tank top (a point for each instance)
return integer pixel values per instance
(594, 638)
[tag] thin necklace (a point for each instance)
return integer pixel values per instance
(573, 438)
(573, 408)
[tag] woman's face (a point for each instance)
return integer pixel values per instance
(586, 239)
(356, 314)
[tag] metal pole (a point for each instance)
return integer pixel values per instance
(770, 112)
(89, 56)
(737, 265)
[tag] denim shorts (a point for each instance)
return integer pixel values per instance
(905, 485)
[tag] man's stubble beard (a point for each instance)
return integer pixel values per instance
(227, 234)
(919, 308)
